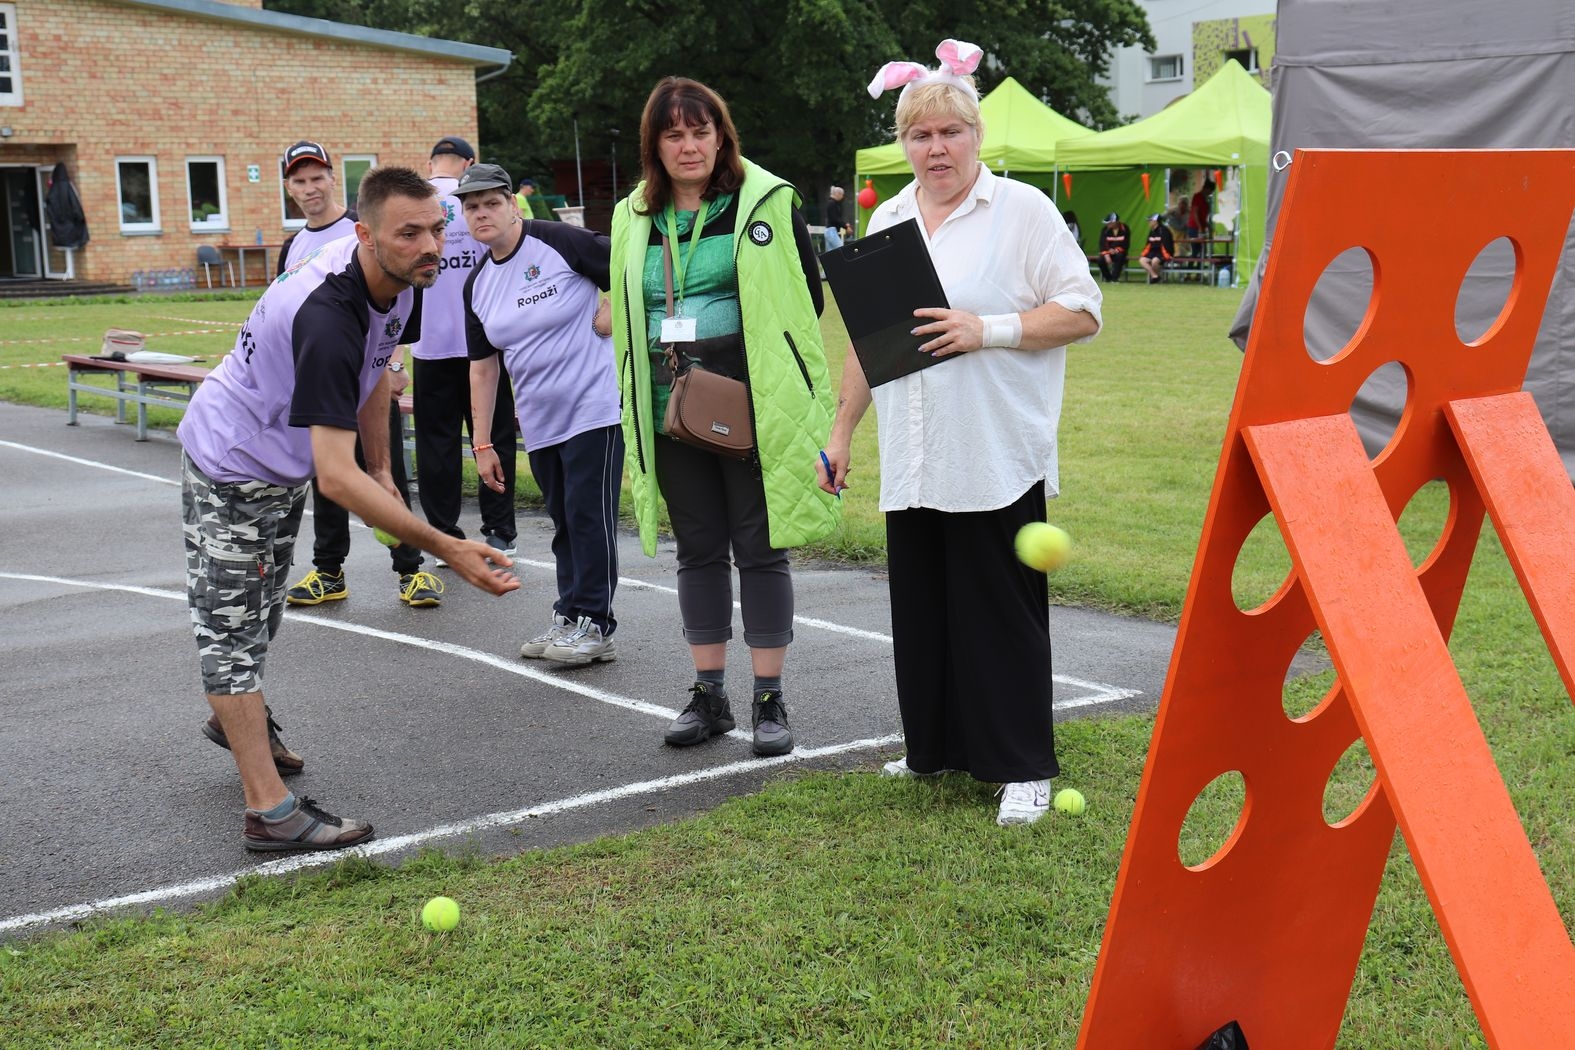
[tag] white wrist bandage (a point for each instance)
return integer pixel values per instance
(1003, 330)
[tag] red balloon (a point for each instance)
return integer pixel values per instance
(867, 196)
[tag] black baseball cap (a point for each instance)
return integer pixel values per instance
(306, 150)
(480, 177)
(527, 181)
(455, 145)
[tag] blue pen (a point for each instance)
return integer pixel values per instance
(831, 475)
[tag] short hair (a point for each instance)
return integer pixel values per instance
(381, 183)
(938, 99)
(675, 101)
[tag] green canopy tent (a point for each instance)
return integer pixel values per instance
(1222, 125)
(1020, 140)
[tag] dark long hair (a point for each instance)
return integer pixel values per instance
(680, 101)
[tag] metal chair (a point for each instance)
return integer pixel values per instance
(208, 257)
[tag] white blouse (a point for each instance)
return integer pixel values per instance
(973, 434)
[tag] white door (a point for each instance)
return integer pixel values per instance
(58, 262)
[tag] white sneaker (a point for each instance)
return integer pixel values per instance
(561, 628)
(581, 646)
(900, 768)
(1024, 802)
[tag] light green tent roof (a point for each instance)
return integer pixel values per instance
(1020, 134)
(1223, 123)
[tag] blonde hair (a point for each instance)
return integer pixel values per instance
(938, 99)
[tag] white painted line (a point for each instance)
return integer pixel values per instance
(88, 462)
(463, 827)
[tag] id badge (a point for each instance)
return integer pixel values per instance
(678, 329)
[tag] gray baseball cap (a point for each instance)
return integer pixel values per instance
(480, 177)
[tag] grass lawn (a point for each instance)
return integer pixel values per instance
(835, 910)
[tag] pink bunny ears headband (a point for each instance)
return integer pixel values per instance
(958, 59)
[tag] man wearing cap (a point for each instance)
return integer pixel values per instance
(1159, 250)
(309, 180)
(308, 372)
(532, 206)
(533, 308)
(441, 367)
(1115, 239)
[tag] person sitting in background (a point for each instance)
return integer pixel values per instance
(1070, 218)
(1159, 250)
(1114, 242)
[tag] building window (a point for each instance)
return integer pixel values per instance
(352, 169)
(137, 181)
(1247, 57)
(205, 193)
(1164, 67)
(10, 58)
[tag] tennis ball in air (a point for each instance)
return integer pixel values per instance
(1070, 801)
(440, 914)
(387, 539)
(1043, 546)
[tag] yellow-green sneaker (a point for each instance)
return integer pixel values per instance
(420, 589)
(317, 587)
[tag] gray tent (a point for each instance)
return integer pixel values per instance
(1428, 74)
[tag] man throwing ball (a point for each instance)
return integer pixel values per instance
(307, 373)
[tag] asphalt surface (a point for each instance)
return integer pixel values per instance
(423, 721)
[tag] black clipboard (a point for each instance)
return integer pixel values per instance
(879, 280)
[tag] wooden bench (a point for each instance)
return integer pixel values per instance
(168, 386)
(1132, 267)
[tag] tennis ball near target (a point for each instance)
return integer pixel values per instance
(387, 539)
(1070, 801)
(440, 914)
(1042, 546)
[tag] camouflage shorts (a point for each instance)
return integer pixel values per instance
(240, 537)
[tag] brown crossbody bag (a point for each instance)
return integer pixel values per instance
(706, 410)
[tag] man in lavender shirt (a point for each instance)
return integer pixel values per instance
(308, 372)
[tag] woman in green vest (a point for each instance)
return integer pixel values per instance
(746, 300)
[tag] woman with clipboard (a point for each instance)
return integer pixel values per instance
(968, 452)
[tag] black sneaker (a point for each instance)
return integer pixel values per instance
(284, 760)
(707, 715)
(772, 735)
(317, 587)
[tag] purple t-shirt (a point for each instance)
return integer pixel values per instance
(309, 238)
(443, 305)
(310, 354)
(536, 308)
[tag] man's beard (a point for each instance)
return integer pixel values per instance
(409, 276)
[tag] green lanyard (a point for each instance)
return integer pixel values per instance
(681, 260)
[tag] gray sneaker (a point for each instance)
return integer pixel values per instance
(307, 826)
(707, 715)
(499, 543)
(772, 735)
(583, 645)
(561, 628)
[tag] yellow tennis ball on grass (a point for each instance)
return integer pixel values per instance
(1070, 801)
(1042, 546)
(440, 914)
(387, 539)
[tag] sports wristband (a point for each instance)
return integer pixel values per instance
(479, 448)
(1003, 330)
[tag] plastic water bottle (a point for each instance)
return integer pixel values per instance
(259, 235)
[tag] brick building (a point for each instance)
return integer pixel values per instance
(172, 117)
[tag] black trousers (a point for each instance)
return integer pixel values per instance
(331, 522)
(442, 406)
(580, 479)
(1113, 265)
(970, 629)
(717, 507)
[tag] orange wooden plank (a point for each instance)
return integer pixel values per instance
(1522, 479)
(1495, 909)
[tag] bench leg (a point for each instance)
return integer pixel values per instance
(120, 402)
(142, 412)
(71, 402)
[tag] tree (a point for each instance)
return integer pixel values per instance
(793, 71)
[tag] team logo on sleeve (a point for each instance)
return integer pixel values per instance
(448, 211)
(760, 233)
(308, 257)
(393, 327)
